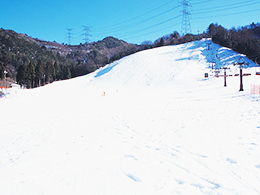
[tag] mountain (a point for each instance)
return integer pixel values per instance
(57, 61)
(97, 54)
(92, 55)
(149, 123)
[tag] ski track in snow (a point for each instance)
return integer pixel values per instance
(159, 128)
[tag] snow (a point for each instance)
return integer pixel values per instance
(150, 123)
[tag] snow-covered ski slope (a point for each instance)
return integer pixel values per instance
(150, 123)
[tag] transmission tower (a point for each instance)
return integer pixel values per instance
(185, 27)
(86, 34)
(69, 35)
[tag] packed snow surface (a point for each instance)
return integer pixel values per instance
(150, 123)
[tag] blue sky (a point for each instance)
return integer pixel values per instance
(133, 21)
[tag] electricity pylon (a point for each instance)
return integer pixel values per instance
(86, 34)
(185, 27)
(69, 35)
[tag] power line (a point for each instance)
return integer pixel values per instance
(228, 5)
(225, 8)
(119, 28)
(116, 29)
(187, 3)
(152, 26)
(229, 14)
(131, 37)
(139, 16)
(201, 2)
(136, 23)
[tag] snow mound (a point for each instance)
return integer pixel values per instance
(169, 66)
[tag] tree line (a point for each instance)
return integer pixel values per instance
(244, 40)
(38, 73)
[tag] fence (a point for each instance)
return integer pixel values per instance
(255, 88)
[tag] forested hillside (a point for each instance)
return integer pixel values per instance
(97, 54)
(33, 62)
(245, 40)
(29, 63)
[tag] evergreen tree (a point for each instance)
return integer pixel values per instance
(176, 35)
(212, 29)
(49, 72)
(57, 71)
(22, 75)
(66, 73)
(162, 42)
(1, 70)
(31, 74)
(39, 72)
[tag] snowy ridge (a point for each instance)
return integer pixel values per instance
(160, 66)
(150, 123)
